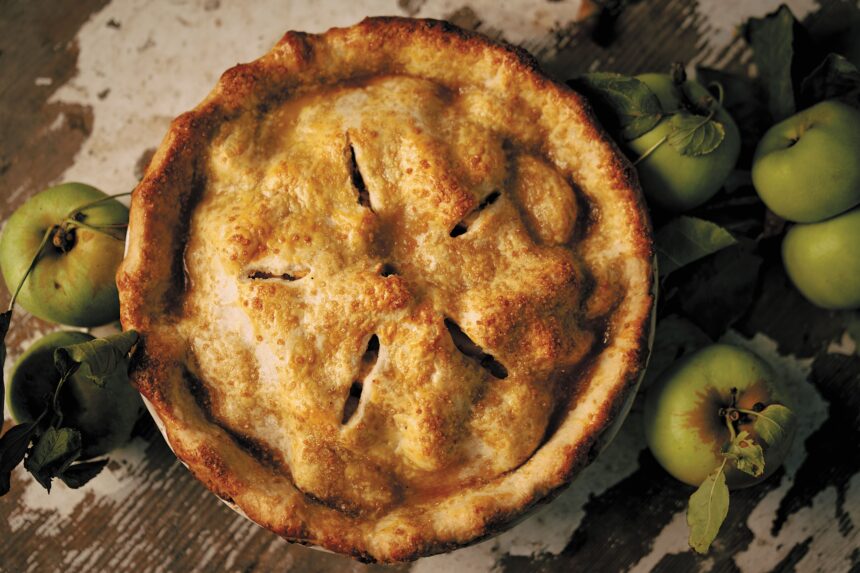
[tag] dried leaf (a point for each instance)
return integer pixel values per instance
(54, 452)
(79, 474)
(747, 455)
(835, 78)
(98, 360)
(721, 288)
(772, 40)
(13, 446)
(675, 337)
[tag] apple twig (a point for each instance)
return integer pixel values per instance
(650, 150)
(97, 228)
(720, 91)
(55, 403)
(30, 267)
(77, 210)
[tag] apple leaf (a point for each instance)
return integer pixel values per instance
(622, 102)
(13, 446)
(79, 474)
(747, 455)
(834, 78)
(686, 239)
(774, 424)
(54, 450)
(5, 321)
(98, 360)
(772, 41)
(707, 510)
(721, 288)
(675, 337)
(53, 453)
(695, 135)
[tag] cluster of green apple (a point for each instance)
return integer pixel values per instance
(807, 170)
(59, 254)
(719, 418)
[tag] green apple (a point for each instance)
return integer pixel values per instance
(74, 280)
(105, 415)
(685, 413)
(680, 182)
(807, 167)
(823, 260)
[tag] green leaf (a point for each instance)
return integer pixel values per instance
(79, 474)
(743, 101)
(622, 102)
(54, 452)
(98, 360)
(774, 424)
(747, 455)
(695, 135)
(687, 239)
(675, 336)
(834, 78)
(707, 510)
(772, 39)
(721, 288)
(13, 446)
(5, 321)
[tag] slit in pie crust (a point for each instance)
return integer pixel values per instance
(393, 287)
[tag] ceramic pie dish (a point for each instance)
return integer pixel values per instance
(393, 285)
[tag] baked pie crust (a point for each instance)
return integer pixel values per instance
(394, 287)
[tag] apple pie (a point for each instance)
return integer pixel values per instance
(393, 285)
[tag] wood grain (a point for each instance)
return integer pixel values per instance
(149, 514)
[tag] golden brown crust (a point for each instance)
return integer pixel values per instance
(461, 243)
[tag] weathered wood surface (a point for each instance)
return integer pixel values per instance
(86, 91)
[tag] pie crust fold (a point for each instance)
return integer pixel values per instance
(394, 287)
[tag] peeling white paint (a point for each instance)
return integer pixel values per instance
(846, 345)
(163, 61)
(159, 63)
(521, 21)
(671, 540)
(819, 521)
(116, 483)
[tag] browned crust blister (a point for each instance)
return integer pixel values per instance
(150, 284)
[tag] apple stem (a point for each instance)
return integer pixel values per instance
(97, 229)
(650, 150)
(55, 404)
(732, 433)
(747, 412)
(76, 211)
(45, 238)
(720, 91)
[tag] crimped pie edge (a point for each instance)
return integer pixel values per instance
(168, 186)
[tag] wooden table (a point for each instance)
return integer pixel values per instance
(86, 92)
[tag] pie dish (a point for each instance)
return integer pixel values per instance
(393, 286)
